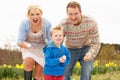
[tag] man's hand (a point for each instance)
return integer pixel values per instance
(87, 57)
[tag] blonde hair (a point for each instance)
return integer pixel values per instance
(35, 6)
(56, 28)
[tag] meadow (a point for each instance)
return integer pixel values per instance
(107, 71)
(106, 64)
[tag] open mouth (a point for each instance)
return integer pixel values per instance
(35, 20)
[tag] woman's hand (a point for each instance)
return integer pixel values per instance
(25, 45)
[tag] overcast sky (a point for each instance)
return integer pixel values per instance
(106, 13)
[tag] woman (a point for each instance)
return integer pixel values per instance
(32, 37)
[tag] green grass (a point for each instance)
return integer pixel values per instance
(108, 76)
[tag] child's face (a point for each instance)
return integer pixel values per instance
(57, 37)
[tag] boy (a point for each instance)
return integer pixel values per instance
(56, 56)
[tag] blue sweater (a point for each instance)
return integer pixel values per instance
(25, 28)
(52, 64)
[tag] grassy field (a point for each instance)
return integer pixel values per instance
(107, 76)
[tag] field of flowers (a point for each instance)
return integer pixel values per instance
(9, 72)
(99, 68)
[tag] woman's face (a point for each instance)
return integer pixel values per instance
(35, 16)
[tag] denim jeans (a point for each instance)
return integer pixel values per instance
(86, 67)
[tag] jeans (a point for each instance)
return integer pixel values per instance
(86, 67)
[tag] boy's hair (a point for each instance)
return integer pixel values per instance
(73, 4)
(56, 28)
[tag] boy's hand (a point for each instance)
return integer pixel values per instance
(62, 59)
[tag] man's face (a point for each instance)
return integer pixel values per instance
(74, 15)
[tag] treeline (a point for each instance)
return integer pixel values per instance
(10, 57)
(108, 52)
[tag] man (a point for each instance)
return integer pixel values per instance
(82, 40)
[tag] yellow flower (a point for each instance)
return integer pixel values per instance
(4, 65)
(114, 65)
(95, 64)
(77, 65)
(22, 66)
(9, 66)
(17, 66)
(107, 65)
(111, 63)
